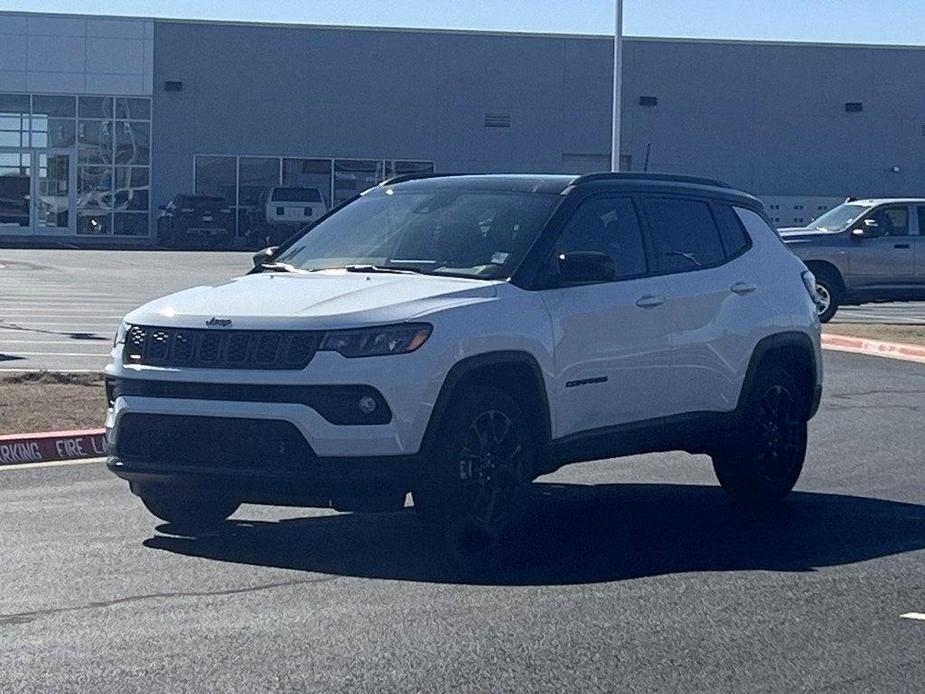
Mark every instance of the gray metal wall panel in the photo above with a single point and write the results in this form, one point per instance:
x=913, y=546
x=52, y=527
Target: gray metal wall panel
x=769, y=118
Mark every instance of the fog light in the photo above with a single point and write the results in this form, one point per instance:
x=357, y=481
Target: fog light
x=368, y=404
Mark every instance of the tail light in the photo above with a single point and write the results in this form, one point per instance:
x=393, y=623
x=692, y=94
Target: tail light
x=809, y=281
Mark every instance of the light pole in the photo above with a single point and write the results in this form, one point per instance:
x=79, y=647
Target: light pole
x=617, y=86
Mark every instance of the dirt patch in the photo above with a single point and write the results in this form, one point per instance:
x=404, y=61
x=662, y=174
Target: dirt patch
x=39, y=402
x=908, y=334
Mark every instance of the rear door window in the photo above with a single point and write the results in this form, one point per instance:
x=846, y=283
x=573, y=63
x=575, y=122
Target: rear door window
x=684, y=233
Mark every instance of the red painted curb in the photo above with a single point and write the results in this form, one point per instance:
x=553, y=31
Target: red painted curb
x=53, y=446
x=877, y=348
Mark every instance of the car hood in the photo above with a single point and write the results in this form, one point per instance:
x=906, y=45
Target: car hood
x=319, y=300
x=803, y=234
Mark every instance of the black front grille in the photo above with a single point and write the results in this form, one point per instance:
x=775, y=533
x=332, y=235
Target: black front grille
x=219, y=349
x=212, y=442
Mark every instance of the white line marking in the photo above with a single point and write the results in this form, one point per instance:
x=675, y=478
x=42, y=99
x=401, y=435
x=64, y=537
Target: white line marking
x=59, y=463
x=913, y=615
x=65, y=341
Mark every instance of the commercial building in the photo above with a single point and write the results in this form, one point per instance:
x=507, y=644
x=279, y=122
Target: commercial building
x=103, y=119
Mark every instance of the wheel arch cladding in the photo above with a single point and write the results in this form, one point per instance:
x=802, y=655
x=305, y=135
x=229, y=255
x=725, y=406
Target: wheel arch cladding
x=792, y=350
x=515, y=372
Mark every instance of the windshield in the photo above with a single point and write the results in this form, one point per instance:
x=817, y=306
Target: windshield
x=839, y=218
x=470, y=233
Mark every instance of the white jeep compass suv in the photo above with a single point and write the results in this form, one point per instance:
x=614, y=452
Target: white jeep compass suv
x=458, y=336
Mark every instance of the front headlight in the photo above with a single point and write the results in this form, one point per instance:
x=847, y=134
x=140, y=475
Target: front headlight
x=376, y=342
x=119, y=338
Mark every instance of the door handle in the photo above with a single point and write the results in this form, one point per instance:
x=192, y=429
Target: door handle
x=742, y=288
x=901, y=245
x=650, y=301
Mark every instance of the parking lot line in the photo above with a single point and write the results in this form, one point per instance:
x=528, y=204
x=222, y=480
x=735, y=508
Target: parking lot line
x=914, y=615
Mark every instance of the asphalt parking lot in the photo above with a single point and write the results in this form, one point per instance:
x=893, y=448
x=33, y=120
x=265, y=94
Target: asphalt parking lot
x=60, y=308
x=633, y=575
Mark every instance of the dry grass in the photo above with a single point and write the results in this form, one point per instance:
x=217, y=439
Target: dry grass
x=38, y=402
x=909, y=334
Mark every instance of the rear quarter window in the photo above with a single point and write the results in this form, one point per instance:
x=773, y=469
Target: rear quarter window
x=685, y=234
x=732, y=233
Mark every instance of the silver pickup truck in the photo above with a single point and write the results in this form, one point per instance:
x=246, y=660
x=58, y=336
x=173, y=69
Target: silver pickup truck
x=864, y=251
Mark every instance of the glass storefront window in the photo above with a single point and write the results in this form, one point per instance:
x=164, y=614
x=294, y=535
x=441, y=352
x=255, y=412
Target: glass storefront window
x=400, y=168
x=54, y=106
x=217, y=177
x=94, y=142
x=130, y=224
x=133, y=142
x=352, y=177
x=58, y=133
x=132, y=188
x=133, y=109
x=94, y=188
x=309, y=173
x=91, y=223
x=95, y=107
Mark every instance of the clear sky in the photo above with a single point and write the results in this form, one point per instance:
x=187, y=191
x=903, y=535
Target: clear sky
x=842, y=21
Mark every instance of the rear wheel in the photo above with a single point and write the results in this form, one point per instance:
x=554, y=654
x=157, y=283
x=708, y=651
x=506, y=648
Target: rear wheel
x=476, y=487
x=764, y=458
x=188, y=510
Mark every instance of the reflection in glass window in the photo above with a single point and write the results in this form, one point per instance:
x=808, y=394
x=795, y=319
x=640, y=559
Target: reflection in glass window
x=54, y=106
x=94, y=142
x=217, y=176
x=133, y=143
x=129, y=224
x=54, y=132
x=94, y=188
x=257, y=175
x=400, y=168
x=15, y=179
x=95, y=107
x=133, y=109
x=352, y=177
x=14, y=105
x=132, y=188
x=309, y=173
x=94, y=223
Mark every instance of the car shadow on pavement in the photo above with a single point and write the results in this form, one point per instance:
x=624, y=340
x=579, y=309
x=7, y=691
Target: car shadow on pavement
x=585, y=534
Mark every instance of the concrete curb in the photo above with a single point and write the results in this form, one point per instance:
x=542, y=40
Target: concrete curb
x=55, y=446
x=875, y=348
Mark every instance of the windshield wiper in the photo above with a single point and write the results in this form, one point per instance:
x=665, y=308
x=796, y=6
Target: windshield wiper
x=281, y=267
x=385, y=269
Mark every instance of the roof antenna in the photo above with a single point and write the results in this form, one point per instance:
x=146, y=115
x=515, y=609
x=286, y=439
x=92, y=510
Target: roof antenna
x=645, y=169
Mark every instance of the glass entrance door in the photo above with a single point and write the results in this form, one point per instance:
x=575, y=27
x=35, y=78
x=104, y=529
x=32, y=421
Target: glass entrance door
x=37, y=193
x=16, y=193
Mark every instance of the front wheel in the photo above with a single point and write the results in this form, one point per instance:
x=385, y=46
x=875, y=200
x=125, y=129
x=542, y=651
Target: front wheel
x=762, y=461
x=186, y=510
x=477, y=484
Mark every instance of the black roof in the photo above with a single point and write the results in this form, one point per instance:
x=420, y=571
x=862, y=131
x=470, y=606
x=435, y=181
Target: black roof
x=559, y=183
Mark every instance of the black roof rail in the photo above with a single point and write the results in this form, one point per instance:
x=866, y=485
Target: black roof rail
x=413, y=177
x=671, y=178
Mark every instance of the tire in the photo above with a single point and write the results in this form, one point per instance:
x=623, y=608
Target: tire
x=829, y=289
x=762, y=461
x=476, y=485
x=188, y=511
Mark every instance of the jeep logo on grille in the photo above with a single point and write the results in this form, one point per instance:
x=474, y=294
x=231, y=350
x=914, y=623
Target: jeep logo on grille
x=219, y=322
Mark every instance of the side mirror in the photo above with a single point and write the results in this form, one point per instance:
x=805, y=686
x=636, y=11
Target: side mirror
x=586, y=267
x=267, y=255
